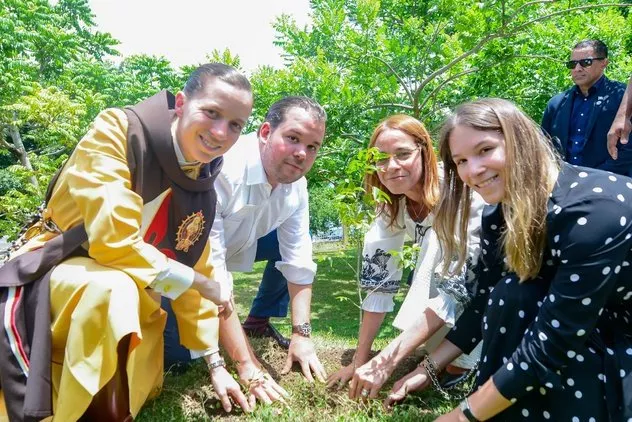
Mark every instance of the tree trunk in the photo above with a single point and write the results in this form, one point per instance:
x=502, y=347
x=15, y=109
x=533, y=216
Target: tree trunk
x=345, y=234
x=19, y=147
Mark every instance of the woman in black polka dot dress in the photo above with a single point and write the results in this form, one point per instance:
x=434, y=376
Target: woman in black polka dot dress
x=557, y=345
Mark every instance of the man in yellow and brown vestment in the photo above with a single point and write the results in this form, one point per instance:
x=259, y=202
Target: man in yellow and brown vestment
x=127, y=221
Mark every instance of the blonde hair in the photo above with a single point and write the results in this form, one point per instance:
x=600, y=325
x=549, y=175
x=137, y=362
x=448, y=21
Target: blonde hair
x=531, y=168
x=430, y=173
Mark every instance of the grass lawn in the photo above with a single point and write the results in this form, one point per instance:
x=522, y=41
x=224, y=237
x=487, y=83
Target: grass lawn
x=189, y=396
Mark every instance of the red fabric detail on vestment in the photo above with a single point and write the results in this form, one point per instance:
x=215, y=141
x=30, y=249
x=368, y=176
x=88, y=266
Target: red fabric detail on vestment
x=16, y=333
x=157, y=229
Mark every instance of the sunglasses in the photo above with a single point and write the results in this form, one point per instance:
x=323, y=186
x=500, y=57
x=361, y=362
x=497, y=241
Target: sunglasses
x=583, y=62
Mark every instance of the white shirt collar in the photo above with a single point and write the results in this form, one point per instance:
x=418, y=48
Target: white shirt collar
x=176, y=146
x=255, y=173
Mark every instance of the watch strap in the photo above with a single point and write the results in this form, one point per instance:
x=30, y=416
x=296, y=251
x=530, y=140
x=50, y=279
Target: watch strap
x=467, y=411
x=304, y=329
x=216, y=364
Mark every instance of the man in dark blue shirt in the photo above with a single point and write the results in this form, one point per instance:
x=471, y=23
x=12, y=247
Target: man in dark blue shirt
x=581, y=116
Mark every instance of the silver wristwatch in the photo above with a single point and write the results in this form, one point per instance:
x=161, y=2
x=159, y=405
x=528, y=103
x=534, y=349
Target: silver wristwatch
x=304, y=329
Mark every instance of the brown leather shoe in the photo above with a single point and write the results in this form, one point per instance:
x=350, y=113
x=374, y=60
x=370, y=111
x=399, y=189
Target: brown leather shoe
x=267, y=330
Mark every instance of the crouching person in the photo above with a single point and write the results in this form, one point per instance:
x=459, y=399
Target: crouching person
x=126, y=221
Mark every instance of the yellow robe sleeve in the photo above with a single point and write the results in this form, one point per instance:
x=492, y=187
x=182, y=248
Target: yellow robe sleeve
x=96, y=188
x=99, y=184
x=197, y=323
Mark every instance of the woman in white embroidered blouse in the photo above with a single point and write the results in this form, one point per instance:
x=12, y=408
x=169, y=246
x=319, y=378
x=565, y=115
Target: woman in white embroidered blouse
x=409, y=175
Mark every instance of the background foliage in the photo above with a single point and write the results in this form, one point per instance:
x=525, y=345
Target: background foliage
x=362, y=59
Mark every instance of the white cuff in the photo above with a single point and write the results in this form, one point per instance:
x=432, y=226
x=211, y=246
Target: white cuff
x=444, y=306
x=469, y=361
x=295, y=274
x=379, y=302
x=173, y=280
x=222, y=276
x=195, y=354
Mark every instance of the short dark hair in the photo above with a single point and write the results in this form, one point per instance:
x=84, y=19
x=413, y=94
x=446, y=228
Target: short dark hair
x=225, y=73
x=277, y=111
x=600, y=48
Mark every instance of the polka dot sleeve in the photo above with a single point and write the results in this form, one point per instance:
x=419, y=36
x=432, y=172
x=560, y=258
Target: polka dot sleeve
x=588, y=241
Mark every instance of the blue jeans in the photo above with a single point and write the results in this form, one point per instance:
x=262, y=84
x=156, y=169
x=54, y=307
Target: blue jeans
x=272, y=299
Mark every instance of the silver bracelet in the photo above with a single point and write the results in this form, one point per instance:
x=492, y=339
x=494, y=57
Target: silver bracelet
x=431, y=369
x=216, y=364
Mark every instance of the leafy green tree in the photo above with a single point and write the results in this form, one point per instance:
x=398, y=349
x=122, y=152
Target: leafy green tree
x=39, y=40
x=54, y=79
x=366, y=59
x=323, y=215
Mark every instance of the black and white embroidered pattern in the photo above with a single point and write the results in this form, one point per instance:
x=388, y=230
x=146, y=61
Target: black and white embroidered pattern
x=459, y=287
x=420, y=232
x=374, y=273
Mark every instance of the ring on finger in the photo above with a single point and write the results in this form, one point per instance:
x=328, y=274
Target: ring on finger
x=364, y=392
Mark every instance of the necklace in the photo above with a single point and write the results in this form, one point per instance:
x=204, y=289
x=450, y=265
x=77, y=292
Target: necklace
x=416, y=211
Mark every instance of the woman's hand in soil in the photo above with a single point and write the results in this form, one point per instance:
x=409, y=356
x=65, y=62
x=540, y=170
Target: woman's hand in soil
x=341, y=377
x=413, y=381
x=369, y=378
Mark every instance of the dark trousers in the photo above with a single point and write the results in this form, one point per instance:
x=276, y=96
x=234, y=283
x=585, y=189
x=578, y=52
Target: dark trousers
x=272, y=299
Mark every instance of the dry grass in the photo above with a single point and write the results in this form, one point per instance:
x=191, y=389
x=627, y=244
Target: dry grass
x=188, y=396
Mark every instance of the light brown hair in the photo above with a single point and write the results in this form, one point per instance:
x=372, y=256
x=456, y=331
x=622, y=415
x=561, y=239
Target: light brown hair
x=429, y=176
x=531, y=168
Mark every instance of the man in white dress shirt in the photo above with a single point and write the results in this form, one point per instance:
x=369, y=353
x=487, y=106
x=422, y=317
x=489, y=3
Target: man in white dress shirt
x=263, y=214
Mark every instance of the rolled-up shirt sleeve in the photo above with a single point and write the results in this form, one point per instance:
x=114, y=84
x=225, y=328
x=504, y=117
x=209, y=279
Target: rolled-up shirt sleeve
x=174, y=280
x=216, y=236
x=295, y=245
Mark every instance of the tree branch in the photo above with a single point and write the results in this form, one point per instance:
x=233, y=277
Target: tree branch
x=508, y=34
x=442, y=84
x=4, y=143
x=399, y=78
x=476, y=69
x=531, y=3
x=463, y=56
x=387, y=105
x=353, y=137
x=435, y=35
x=519, y=28
x=535, y=56
x=8, y=146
